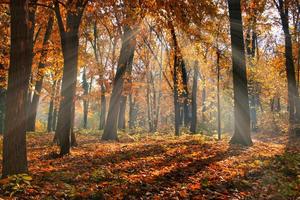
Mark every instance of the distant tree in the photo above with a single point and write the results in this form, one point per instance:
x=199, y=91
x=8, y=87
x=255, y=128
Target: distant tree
x=32, y=112
x=193, y=128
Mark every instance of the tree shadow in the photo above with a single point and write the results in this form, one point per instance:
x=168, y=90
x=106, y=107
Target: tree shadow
x=178, y=175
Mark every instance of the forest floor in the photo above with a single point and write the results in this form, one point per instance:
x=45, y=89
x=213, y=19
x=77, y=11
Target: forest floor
x=159, y=167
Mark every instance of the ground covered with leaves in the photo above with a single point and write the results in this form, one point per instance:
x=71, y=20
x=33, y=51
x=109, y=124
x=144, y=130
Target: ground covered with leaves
x=158, y=166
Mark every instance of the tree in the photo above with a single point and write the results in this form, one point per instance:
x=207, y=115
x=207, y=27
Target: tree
x=193, y=128
x=32, y=112
x=241, y=101
x=14, y=140
x=85, y=87
x=125, y=62
x=70, y=43
x=293, y=94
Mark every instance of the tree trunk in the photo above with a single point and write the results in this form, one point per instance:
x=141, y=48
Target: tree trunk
x=56, y=99
x=132, y=112
x=149, y=110
x=14, y=138
x=85, y=87
x=293, y=94
x=203, y=110
x=103, y=108
x=102, y=85
x=218, y=95
x=193, y=128
x=73, y=136
x=2, y=97
x=176, y=72
x=125, y=60
x=241, y=101
x=38, y=86
x=51, y=108
x=32, y=40
x=122, y=112
x=70, y=44
x=185, y=94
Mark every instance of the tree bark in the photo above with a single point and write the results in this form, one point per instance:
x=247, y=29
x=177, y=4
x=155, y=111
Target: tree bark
x=176, y=72
x=241, y=101
x=103, y=108
x=293, y=94
x=14, y=138
x=51, y=108
x=122, y=112
x=85, y=87
x=70, y=44
x=218, y=95
x=132, y=112
x=125, y=60
x=193, y=128
x=3, y=80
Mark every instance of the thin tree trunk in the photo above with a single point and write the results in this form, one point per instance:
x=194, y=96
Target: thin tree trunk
x=103, y=108
x=85, y=86
x=132, y=112
x=149, y=110
x=193, y=128
x=102, y=85
x=218, y=95
x=51, y=108
x=38, y=86
x=14, y=138
x=241, y=101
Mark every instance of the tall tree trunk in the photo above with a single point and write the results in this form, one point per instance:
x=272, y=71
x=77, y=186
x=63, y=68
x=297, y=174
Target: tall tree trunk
x=185, y=94
x=50, y=116
x=103, y=108
x=241, y=101
x=56, y=102
x=102, y=85
x=251, y=40
x=70, y=44
x=193, y=128
x=38, y=86
x=85, y=87
x=125, y=60
x=218, y=95
x=51, y=107
x=176, y=72
x=32, y=40
x=149, y=108
x=14, y=138
x=293, y=94
x=203, y=110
